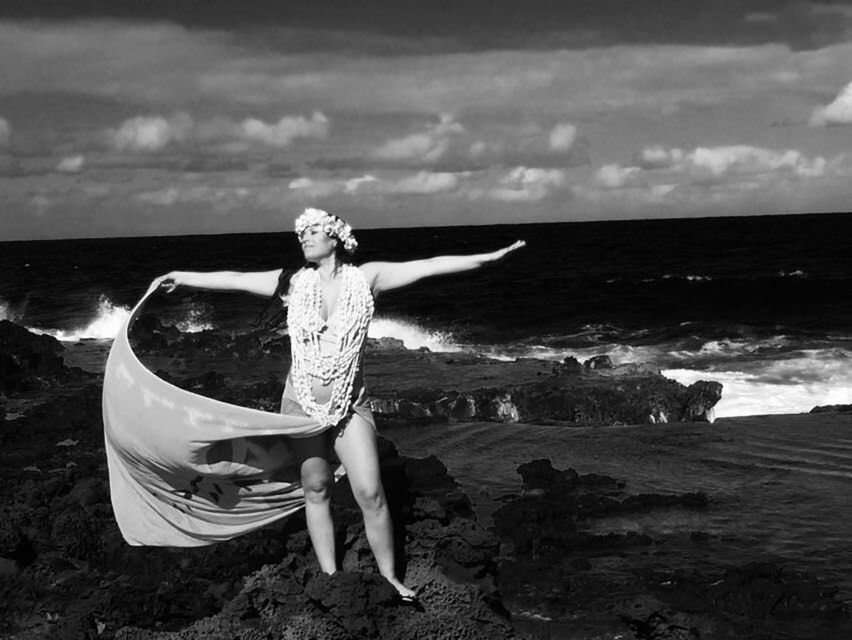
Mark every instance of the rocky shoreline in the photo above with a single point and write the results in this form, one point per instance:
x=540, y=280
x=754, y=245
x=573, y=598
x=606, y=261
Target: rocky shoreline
x=540, y=572
x=421, y=386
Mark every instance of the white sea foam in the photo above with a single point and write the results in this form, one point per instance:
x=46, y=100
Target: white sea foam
x=753, y=384
x=195, y=319
x=104, y=325
x=731, y=348
x=792, y=385
x=412, y=335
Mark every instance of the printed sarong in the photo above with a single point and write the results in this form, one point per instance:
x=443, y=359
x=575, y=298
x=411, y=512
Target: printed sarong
x=187, y=470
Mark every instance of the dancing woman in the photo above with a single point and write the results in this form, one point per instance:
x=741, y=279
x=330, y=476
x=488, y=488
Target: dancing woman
x=330, y=304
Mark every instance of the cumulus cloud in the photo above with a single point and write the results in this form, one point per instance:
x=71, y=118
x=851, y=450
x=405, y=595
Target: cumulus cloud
x=283, y=132
x=614, y=176
x=71, y=164
x=656, y=157
x=353, y=184
x=155, y=133
x=562, y=137
x=839, y=111
x=717, y=162
x=5, y=132
x=151, y=133
x=421, y=183
x=428, y=146
x=528, y=183
x=747, y=159
x=425, y=183
x=221, y=198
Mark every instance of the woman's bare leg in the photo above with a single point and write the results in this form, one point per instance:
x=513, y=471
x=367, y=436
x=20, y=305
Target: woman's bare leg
x=356, y=448
x=316, y=482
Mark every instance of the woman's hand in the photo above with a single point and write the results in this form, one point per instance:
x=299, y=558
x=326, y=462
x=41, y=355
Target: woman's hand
x=169, y=282
x=502, y=253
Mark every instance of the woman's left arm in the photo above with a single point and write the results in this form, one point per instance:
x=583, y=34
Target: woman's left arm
x=384, y=276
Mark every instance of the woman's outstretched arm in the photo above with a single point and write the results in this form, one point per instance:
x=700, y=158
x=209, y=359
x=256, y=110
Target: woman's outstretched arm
x=384, y=276
x=262, y=283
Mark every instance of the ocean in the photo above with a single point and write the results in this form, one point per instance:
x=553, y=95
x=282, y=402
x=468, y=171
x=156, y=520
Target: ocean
x=760, y=304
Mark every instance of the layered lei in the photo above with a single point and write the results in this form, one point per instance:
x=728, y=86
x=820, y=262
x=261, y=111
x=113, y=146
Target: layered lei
x=351, y=318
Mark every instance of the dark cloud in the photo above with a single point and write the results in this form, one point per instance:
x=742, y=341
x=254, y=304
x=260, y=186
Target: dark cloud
x=487, y=23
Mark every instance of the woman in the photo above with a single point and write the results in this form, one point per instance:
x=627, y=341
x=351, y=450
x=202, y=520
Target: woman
x=330, y=307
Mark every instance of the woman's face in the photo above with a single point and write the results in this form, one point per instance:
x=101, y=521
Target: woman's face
x=316, y=244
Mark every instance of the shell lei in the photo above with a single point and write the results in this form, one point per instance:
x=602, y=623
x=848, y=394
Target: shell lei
x=351, y=317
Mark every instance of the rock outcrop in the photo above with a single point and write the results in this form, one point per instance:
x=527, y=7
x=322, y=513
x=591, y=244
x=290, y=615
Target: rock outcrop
x=29, y=361
x=833, y=408
x=463, y=387
x=67, y=573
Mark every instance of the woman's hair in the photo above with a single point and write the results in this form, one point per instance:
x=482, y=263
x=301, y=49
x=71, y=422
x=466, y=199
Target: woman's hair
x=274, y=314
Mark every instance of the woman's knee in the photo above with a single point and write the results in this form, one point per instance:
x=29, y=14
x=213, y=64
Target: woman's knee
x=316, y=482
x=369, y=498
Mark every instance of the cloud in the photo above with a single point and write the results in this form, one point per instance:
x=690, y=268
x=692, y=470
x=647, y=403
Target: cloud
x=71, y=164
x=428, y=146
x=562, y=137
x=614, y=176
x=151, y=133
x=424, y=183
x=221, y=198
x=528, y=183
x=421, y=183
x=717, y=162
x=283, y=132
x=310, y=189
x=5, y=132
x=657, y=157
x=353, y=184
x=836, y=112
x=155, y=133
x=747, y=159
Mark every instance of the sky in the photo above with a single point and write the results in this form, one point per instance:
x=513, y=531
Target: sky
x=205, y=116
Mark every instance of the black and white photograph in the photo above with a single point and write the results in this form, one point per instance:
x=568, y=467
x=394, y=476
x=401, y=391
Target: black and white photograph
x=444, y=319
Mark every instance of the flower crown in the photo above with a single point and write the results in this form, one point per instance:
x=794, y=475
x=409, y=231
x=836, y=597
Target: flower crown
x=332, y=225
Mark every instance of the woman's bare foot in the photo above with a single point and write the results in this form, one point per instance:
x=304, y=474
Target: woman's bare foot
x=404, y=592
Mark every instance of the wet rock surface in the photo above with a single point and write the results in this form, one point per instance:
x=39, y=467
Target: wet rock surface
x=561, y=570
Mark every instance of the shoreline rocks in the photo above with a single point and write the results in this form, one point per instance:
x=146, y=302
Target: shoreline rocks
x=467, y=387
x=69, y=574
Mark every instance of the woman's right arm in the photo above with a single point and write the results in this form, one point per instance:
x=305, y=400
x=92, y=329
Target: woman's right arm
x=262, y=283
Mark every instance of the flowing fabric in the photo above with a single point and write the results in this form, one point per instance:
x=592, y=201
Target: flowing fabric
x=187, y=470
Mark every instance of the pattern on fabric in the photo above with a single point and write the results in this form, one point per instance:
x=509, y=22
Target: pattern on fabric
x=187, y=470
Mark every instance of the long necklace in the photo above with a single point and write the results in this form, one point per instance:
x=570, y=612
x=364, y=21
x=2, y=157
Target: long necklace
x=351, y=318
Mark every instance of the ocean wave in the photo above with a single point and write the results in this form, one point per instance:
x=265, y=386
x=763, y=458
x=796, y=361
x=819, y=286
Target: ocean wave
x=413, y=336
x=5, y=312
x=794, y=385
x=105, y=325
x=772, y=375
x=194, y=317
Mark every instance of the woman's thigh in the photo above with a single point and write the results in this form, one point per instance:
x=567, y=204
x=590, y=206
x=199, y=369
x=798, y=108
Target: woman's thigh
x=355, y=446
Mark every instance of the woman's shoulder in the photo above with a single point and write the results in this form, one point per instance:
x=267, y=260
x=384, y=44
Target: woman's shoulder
x=370, y=272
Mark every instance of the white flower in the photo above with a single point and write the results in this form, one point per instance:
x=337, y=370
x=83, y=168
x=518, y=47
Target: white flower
x=332, y=225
